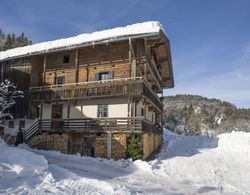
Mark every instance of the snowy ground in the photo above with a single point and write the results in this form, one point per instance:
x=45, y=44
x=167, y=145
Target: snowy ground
x=185, y=165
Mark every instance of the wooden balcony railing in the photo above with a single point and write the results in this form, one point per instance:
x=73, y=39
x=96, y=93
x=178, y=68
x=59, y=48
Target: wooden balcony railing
x=97, y=89
x=97, y=125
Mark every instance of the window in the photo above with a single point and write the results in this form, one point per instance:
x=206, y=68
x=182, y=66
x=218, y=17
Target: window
x=21, y=124
x=59, y=80
x=11, y=124
x=104, y=76
x=102, y=110
x=66, y=59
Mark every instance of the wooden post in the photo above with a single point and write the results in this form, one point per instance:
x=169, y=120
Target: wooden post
x=145, y=71
x=44, y=68
x=77, y=66
x=87, y=73
x=41, y=110
x=68, y=115
x=133, y=74
x=109, y=144
x=132, y=58
x=129, y=108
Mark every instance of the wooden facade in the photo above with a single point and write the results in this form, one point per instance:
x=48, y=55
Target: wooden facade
x=133, y=69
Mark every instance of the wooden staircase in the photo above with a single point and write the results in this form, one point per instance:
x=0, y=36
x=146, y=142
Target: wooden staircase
x=32, y=130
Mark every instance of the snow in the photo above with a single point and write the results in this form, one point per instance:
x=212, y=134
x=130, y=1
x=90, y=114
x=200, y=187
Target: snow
x=185, y=165
x=104, y=35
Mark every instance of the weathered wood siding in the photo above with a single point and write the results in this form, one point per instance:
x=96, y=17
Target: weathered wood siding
x=91, y=60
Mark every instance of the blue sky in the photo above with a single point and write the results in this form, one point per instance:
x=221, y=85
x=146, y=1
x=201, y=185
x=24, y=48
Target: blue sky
x=210, y=40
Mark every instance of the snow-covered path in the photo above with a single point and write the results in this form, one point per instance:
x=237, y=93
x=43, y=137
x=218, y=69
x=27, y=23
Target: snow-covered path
x=185, y=165
x=122, y=175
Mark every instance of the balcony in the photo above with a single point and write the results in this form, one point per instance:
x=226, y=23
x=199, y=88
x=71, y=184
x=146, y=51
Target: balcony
x=133, y=87
x=92, y=125
x=97, y=125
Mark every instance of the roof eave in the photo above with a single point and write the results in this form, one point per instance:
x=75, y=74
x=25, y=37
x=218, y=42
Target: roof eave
x=86, y=44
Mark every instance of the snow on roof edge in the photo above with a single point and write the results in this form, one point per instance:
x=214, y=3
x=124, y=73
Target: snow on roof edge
x=115, y=33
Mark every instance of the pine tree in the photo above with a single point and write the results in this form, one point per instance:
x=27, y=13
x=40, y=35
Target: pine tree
x=8, y=43
x=12, y=41
x=134, y=149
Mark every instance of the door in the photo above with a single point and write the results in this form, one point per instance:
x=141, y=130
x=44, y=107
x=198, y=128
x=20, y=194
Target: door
x=56, y=115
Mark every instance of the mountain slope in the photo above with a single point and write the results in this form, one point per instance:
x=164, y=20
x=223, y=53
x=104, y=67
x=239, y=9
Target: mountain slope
x=195, y=115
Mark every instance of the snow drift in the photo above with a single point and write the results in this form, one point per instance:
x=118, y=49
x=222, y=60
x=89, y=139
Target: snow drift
x=186, y=164
x=19, y=165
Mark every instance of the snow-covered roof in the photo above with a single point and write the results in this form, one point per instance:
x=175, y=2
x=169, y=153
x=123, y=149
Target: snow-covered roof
x=152, y=27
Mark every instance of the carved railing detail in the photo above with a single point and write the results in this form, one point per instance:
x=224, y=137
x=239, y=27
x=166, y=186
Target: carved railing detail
x=97, y=89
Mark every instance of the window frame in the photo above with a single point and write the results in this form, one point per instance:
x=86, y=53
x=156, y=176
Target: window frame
x=109, y=75
x=11, y=124
x=60, y=77
x=102, y=110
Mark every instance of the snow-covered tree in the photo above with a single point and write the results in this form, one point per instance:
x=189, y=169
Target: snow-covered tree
x=8, y=94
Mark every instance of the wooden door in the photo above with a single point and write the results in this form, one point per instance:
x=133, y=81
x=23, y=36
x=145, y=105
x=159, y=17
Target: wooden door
x=57, y=113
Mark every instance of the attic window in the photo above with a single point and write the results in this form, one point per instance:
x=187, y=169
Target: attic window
x=66, y=59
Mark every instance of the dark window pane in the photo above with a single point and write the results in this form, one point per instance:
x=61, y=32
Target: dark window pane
x=60, y=80
x=66, y=59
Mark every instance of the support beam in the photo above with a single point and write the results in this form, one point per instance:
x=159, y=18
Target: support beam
x=131, y=48
x=129, y=108
x=109, y=145
x=41, y=110
x=132, y=58
x=68, y=113
x=44, y=68
x=77, y=65
x=133, y=69
x=145, y=71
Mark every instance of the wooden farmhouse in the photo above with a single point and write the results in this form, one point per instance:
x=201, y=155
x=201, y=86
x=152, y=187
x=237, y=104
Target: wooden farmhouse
x=91, y=93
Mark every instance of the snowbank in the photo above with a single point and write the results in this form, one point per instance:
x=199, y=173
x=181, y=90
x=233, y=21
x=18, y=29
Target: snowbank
x=18, y=165
x=185, y=165
x=104, y=35
x=200, y=161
